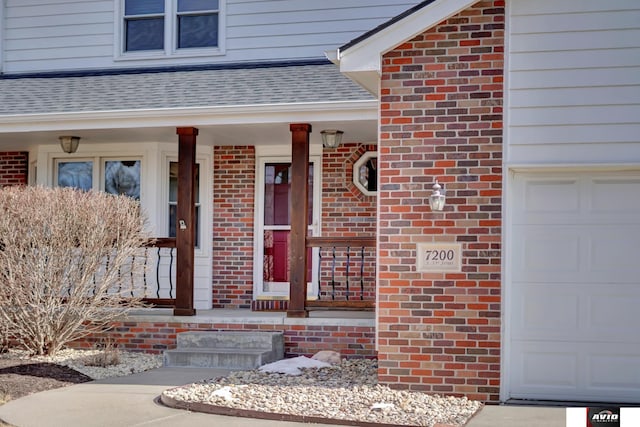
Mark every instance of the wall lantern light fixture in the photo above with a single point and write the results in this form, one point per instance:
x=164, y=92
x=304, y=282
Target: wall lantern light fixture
x=331, y=138
x=437, y=198
x=69, y=144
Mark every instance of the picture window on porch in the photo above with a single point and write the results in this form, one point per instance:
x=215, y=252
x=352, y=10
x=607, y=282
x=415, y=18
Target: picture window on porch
x=173, y=200
x=119, y=176
x=149, y=25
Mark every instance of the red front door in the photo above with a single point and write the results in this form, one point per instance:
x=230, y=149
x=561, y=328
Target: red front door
x=277, y=225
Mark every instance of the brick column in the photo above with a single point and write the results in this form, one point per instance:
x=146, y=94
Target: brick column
x=441, y=118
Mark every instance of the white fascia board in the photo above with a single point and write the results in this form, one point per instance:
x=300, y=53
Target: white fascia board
x=201, y=116
x=365, y=57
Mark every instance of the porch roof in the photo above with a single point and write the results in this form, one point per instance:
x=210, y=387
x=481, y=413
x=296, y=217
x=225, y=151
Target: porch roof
x=266, y=84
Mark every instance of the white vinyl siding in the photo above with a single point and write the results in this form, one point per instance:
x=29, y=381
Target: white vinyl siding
x=574, y=81
x=56, y=34
x=49, y=35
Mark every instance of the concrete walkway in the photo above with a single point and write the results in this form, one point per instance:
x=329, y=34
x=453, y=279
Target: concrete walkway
x=130, y=401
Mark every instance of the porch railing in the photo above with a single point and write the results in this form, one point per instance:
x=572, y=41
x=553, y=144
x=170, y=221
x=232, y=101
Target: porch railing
x=149, y=274
x=159, y=277
x=347, y=272
x=154, y=280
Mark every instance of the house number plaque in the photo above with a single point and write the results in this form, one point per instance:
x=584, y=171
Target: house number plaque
x=439, y=257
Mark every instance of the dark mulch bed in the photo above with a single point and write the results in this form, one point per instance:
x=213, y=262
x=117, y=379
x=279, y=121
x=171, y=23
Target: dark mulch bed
x=19, y=378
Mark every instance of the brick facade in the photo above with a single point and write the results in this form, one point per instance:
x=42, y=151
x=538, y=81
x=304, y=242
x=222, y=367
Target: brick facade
x=234, y=171
x=300, y=340
x=346, y=211
x=14, y=167
x=441, y=118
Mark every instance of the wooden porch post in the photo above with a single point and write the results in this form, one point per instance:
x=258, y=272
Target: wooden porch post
x=186, y=221
x=299, y=216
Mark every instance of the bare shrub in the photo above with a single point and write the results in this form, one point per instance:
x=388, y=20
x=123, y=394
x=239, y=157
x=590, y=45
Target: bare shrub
x=109, y=354
x=63, y=256
x=4, y=337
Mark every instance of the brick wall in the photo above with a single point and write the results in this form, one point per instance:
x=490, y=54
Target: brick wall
x=300, y=340
x=346, y=211
x=441, y=118
x=14, y=167
x=233, y=211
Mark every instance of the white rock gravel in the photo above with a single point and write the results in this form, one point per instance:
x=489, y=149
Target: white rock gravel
x=348, y=391
x=130, y=363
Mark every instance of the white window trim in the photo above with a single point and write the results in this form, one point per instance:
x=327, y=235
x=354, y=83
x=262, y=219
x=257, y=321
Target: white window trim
x=98, y=168
x=282, y=154
x=170, y=51
x=204, y=194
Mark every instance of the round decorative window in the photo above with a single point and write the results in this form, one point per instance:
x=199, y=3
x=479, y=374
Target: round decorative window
x=365, y=173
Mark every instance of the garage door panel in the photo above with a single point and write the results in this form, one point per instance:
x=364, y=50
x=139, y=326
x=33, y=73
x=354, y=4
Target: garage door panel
x=538, y=368
x=610, y=316
x=558, y=312
x=541, y=253
x=574, y=286
x=538, y=199
x=615, y=251
x=551, y=196
x=615, y=195
x=575, y=372
x=580, y=253
x=611, y=372
x=544, y=307
x=585, y=199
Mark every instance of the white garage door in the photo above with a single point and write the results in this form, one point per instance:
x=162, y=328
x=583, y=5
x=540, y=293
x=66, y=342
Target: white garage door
x=574, y=305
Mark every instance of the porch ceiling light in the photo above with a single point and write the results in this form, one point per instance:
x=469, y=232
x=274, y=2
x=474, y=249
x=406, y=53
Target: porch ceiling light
x=437, y=197
x=331, y=138
x=69, y=144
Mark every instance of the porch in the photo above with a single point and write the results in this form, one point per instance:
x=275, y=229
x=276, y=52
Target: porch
x=340, y=249
x=337, y=272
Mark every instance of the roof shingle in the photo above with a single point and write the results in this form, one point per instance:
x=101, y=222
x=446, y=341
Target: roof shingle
x=178, y=89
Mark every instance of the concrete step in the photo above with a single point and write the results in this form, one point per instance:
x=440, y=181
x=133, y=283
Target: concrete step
x=231, y=339
x=225, y=349
x=217, y=358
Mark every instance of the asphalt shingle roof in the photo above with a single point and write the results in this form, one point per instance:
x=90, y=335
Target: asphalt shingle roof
x=178, y=89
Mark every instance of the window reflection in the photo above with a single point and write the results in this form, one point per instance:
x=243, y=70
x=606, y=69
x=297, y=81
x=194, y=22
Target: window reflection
x=122, y=177
x=76, y=174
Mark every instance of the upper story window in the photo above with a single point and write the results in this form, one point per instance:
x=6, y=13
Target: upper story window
x=143, y=25
x=170, y=26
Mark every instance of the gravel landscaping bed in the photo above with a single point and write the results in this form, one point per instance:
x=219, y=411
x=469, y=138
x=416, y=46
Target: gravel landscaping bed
x=21, y=375
x=83, y=360
x=347, y=391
